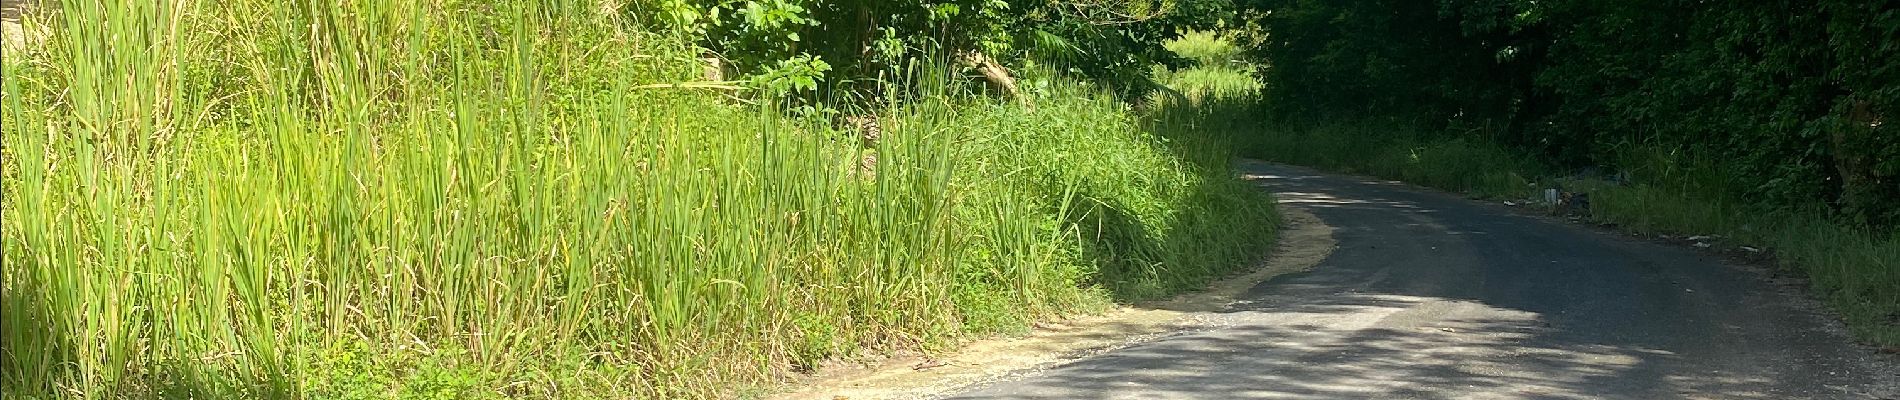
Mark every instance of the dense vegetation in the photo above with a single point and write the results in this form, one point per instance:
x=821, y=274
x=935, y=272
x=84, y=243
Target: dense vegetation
x=472, y=199
x=694, y=198
x=1783, y=100
x=859, y=41
x=1762, y=121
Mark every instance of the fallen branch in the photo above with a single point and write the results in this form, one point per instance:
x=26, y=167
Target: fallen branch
x=994, y=73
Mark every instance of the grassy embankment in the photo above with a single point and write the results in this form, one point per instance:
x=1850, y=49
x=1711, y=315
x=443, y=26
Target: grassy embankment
x=343, y=200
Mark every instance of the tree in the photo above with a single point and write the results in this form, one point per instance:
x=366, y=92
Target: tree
x=1784, y=100
x=864, y=40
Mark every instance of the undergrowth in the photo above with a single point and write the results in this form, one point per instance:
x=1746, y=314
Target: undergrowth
x=1216, y=70
x=361, y=200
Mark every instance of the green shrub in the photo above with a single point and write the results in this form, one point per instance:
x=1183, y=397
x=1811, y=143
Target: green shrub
x=1207, y=48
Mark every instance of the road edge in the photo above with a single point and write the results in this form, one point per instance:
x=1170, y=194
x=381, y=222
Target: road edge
x=1304, y=241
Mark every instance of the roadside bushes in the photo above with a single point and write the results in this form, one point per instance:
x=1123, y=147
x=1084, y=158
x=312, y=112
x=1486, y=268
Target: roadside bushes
x=1790, y=95
x=1764, y=121
x=857, y=42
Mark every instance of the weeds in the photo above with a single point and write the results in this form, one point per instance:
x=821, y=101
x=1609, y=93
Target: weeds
x=1218, y=72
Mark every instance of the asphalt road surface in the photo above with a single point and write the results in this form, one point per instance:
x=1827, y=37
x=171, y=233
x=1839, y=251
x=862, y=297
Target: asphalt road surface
x=1431, y=296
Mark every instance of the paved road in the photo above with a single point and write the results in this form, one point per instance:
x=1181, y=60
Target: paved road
x=1430, y=296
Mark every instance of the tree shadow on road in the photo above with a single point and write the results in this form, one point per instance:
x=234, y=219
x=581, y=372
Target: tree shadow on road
x=1371, y=321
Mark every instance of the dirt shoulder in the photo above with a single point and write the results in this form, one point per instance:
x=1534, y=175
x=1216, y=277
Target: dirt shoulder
x=1304, y=241
x=14, y=36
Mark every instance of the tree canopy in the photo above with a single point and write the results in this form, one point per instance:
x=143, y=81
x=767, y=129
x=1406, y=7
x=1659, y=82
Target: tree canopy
x=1784, y=100
x=859, y=39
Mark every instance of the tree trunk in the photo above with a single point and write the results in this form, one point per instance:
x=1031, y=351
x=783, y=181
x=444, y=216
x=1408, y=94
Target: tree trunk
x=1865, y=191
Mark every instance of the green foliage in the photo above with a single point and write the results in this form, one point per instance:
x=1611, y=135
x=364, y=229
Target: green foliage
x=864, y=40
x=348, y=199
x=348, y=370
x=1201, y=83
x=1791, y=94
x=794, y=74
x=1756, y=119
x=1205, y=48
x=1349, y=59
x=1218, y=72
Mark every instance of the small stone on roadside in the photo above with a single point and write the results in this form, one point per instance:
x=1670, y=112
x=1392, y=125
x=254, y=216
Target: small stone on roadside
x=1751, y=249
x=1702, y=245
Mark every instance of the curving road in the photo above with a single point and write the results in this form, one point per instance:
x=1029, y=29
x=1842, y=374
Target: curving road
x=1430, y=296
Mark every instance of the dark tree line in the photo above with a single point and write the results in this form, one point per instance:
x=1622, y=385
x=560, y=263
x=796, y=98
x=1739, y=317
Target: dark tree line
x=1785, y=100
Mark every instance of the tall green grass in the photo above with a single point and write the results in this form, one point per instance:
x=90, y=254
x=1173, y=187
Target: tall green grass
x=365, y=199
x=1217, y=72
x=1208, y=49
